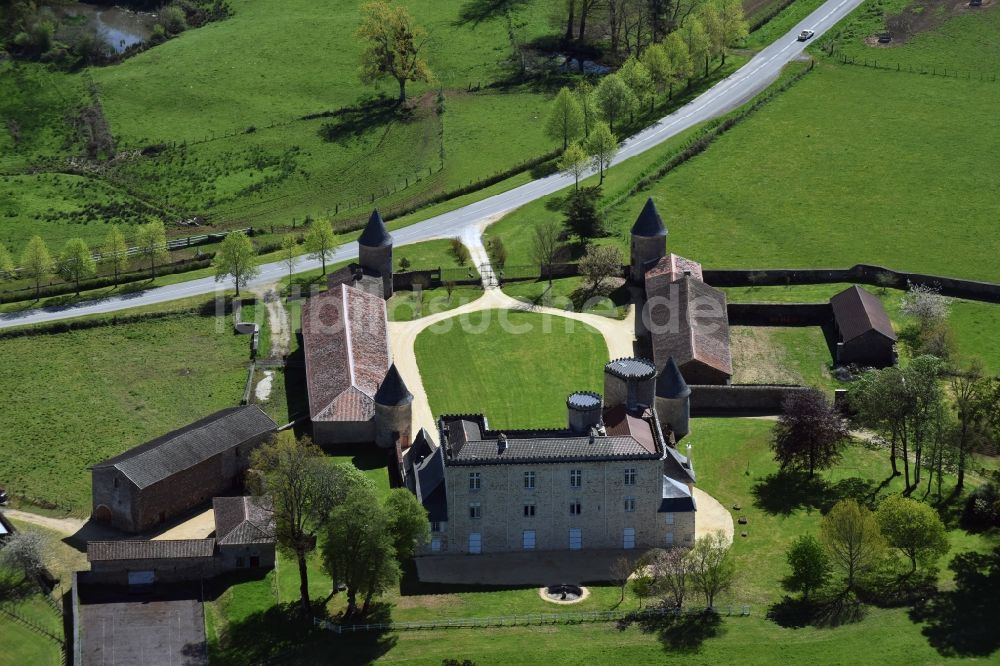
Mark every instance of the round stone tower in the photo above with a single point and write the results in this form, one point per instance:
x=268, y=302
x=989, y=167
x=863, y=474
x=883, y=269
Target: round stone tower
x=375, y=250
x=393, y=411
x=673, y=400
x=630, y=382
x=649, y=241
x=585, y=411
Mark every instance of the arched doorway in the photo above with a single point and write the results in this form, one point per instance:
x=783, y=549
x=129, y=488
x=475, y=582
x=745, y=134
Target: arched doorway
x=102, y=514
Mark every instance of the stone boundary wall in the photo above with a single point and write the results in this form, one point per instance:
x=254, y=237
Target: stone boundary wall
x=860, y=273
x=779, y=314
x=740, y=399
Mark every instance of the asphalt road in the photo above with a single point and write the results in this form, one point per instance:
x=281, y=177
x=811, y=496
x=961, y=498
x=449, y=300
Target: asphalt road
x=467, y=221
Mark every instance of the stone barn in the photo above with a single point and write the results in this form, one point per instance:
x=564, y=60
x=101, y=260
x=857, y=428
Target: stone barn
x=864, y=333
x=139, y=563
x=244, y=533
x=148, y=484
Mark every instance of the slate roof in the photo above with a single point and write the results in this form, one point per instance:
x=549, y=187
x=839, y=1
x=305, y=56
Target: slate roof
x=346, y=346
x=700, y=331
x=375, y=233
x=649, y=223
x=430, y=485
x=631, y=368
x=670, y=384
x=155, y=549
x=393, y=392
x=858, y=311
x=181, y=449
x=676, y=497
x=242, y=521
x=549, y=449
x=584, y=401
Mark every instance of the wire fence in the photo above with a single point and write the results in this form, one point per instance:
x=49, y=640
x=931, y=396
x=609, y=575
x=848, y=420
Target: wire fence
x=533, y=619
x=986, y=77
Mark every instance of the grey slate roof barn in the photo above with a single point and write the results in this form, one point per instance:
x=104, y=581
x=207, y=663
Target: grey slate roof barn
x=179, y=470
x=864, y=332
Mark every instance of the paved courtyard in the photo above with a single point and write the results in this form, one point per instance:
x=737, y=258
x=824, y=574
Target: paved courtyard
x=122, y=629
x=536, y=567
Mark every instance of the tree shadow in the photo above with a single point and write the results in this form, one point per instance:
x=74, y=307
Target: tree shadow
x=354, y=121
x=783, y=493
x=963, y=622
x=792, y=613
x=680, y=632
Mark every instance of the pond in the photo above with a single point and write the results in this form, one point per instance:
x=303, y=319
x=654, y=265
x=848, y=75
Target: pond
x=117, y=27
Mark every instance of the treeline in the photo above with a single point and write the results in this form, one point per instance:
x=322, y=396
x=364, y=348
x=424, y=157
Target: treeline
x=31, y=31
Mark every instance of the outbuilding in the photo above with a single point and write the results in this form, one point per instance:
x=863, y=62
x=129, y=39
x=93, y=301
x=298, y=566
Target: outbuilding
x=864, y=333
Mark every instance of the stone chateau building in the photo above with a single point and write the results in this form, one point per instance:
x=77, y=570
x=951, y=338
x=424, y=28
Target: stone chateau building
x=613, y=479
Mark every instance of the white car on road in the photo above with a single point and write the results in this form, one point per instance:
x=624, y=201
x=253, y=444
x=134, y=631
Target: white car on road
x=806, y=34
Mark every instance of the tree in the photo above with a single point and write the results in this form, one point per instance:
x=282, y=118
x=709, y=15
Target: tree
x=407, y=522
x=24, y=552
x=696, y=40
x=600, y=263
x=680, y=59
x=289, y=253
x=671, y=573
x=975, y=402
x=235, y=259
x=621, y=568
x=582, y=218
x=657, y=62
x=358, y=550
x=711, y=568
x=75, y=262
x=303, y=489
x=852, y=538
x=565, y=121
x=321, y=241
x=585, y=97
x=574, y=163
x=497, y=252
x=810, y=566
x=913, y=528
x=636, y=76
x=6, y=263
x=725, y=24
x=36, y=262
x=545, y=245
x=614, y=99
x=602, y=146
x=925, y=304
x=810, y=432
x=391, y=46
x=404, y=264
x=114, y=252
x=151, y=243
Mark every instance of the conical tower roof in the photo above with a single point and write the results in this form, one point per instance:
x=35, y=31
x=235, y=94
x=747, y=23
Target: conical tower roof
x=393, y=392
x=649, y=223
x=670, y=384
x=422, y=446
x=375, y=233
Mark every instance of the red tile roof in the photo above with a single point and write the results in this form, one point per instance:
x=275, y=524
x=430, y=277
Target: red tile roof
x=346, y=352
x=672, y=268
x=857, y=311
x=697, y=331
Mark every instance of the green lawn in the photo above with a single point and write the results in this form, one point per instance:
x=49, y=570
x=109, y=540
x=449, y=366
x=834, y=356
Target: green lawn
x=781, y=355
x=570, y=294
x=516, y=367
x=850, y=165
x=404, y=305
x=960, y=38
x=73, y=399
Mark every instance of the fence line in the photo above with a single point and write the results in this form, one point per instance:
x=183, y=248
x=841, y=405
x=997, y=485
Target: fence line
x=17, y=617
x=533, y=619
x=985, y=77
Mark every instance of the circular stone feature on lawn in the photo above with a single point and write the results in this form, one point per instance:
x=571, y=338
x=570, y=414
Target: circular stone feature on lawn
x=515, y=367
x=563, y=593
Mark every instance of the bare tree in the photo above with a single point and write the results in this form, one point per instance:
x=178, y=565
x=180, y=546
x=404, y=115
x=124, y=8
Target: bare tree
x=621, y=569
x=545, y=245
x=711, y=568
x=600, y=263
x=672, y=575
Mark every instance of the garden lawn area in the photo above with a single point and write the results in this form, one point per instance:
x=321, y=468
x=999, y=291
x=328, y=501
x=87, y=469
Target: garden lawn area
x=74, y=399
x=404, y=305
x=850, y=165
x=781, y=355
x=976, y=324
x=570, y=294
x=950, y=36
x=429, y=255
x=516, y=367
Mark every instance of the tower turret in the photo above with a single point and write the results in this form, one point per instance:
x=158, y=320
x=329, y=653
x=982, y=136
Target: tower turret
x=393, y=411
x=585, y=411
x=673, y=399
x=630, y=382
x=649, y=241
x=375, y=250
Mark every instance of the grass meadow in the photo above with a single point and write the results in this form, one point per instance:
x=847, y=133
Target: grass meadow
x=515, y=367
x=73, y=399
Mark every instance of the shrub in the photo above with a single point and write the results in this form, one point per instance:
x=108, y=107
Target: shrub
x=173, y=19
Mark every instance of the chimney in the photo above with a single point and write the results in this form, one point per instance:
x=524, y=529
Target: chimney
x=501, y=443
x=689, y=455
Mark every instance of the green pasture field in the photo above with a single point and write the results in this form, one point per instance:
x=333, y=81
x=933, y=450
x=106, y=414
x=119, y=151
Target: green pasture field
x=519, y=376
x=951, y=37
x=73, y=399
x=850, y=165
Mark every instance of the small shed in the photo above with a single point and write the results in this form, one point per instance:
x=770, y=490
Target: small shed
x=244, y=532
x=864, y=332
